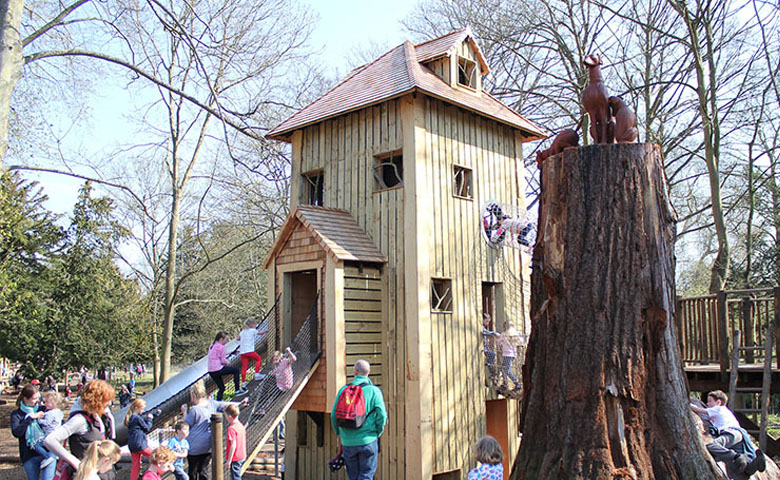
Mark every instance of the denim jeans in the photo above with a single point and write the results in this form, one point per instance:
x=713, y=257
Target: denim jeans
x=235, y=470
x=179, y=473
x=361, y=460
x=32, y=468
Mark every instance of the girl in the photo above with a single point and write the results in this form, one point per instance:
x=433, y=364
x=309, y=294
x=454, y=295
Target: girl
x=248, y=338
x=488, y=453
x=219, y=366
x=99, y=458
x=283, y=369
x=138, y=425
x=507, y=341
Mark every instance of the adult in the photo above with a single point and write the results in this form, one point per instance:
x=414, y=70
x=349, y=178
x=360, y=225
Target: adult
x=92, y=422
x=360, y=446
x=198, y=417
x=23, y=426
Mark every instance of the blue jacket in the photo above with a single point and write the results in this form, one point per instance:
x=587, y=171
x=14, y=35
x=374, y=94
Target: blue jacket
x=137, y=428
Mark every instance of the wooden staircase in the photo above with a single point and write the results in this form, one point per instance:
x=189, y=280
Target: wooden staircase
x=766, y=443
x=269, y=460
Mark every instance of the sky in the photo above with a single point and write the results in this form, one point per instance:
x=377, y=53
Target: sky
x=343, y=26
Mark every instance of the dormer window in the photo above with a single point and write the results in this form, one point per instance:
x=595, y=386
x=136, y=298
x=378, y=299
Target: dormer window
x=467, y=73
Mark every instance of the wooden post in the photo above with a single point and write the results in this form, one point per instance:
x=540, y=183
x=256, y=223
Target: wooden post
x=734, y=370
x=217, y=448
x=606, y=394
x=678, y=318
x=747, y=318
x=766, y=385
x=776, y=295
x=723, y=331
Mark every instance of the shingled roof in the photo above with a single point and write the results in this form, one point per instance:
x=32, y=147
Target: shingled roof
x=397, y=73
x=334, y=230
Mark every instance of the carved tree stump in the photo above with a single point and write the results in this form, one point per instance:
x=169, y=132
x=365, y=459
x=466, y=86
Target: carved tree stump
x=606, y=393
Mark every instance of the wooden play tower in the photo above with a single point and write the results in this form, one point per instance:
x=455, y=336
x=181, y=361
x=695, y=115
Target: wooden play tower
x=390, y=171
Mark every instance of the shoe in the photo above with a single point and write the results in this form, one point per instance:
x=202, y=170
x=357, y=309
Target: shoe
x=259, y=376
x=242, y=391
x=758, y=464
x=741, y=462
x=243, y=385
x=49, y=460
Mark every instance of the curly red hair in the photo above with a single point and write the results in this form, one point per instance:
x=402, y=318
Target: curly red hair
x=96, y=396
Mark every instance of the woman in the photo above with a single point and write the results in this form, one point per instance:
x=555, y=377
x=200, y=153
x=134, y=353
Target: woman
x=93, y=422
x=199, y=419
x=23, y=426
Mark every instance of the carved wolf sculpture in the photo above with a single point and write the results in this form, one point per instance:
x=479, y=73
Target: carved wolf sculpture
x=625, y=121
x=567, y=138
x=596, y=103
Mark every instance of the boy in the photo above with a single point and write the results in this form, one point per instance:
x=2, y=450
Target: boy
x=730, y=442
x=160, y=462
x=236, y=442
x=179, y=445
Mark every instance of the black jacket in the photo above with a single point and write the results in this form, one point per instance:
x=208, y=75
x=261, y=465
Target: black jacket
x=19, y=423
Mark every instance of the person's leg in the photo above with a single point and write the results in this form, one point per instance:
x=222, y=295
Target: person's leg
x=236, y=380
x=203, y=474
x=32, y=468
x=368, y=461
x=135, y=465
x=351, y=461
x=47, y=472
x=235, y=470
x=179, y=473
x=244, y=365
x=507, y=364
x=217, y=377
x=720, y=449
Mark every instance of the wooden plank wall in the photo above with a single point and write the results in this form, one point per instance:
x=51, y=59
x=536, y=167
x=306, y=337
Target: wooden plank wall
x=441, y=67
x=344, y=148
x=460, y=254
x=363, y=291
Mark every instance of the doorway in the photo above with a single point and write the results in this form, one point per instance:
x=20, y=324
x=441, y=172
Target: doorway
x=300, y=294
x=496, y=416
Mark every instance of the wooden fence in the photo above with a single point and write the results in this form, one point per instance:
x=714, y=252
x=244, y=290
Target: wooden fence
x=706, y=324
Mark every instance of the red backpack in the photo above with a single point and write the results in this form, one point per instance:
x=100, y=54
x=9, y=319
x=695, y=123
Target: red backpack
x=351, y=407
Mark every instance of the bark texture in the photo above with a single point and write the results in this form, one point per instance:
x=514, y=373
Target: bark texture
x=10, y=63
x=606, y=394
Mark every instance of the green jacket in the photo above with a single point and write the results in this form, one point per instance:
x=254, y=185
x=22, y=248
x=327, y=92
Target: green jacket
x=375, y=420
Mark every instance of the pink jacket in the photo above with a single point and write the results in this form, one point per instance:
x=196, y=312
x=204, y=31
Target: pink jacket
x=217, y=357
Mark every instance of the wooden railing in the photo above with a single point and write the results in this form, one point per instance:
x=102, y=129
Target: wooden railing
x=706, y=324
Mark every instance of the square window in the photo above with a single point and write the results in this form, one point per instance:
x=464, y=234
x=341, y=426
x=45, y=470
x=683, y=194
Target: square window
x=467, y=73
x=313, y=188
x=462, y=185
x=441, y=294
x=389, y=170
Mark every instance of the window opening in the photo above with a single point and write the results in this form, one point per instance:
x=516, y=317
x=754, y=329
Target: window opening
x=314, y=188
x=467, y=73
x=462, y=176
x=389, y=170
x=441, y=294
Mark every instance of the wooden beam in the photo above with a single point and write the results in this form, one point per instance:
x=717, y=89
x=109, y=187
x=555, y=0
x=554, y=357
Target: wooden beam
x=417, y=238
x=335, y=343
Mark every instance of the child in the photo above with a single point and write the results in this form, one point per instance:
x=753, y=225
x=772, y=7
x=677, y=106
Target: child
x=180, y=446
x=131, y=384
x=236, y=442
x=124, y=396
x=487, y=344
x=138, y=426
x=508, y=343
x=488, y=453
x=98, y=459
x=248, y=337
x=219, y=366
x=160, y=462
x=50, y=421
x=283, y=369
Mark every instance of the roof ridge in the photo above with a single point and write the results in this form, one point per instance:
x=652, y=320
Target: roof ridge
x=454, y=32
x=412, y=66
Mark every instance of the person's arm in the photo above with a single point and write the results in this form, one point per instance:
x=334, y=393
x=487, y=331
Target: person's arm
x=292, y=355
x=53, y=441
x=699, y=410
x=231, y=444
x=20, y=422
x=146, y=422
x=380, y=417
x=223, y=356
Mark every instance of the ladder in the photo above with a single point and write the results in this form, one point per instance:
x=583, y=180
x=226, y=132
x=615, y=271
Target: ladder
x=766, y=382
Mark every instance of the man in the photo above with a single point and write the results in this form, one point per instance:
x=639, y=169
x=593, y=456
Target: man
x=730, y=442
x=361, y=445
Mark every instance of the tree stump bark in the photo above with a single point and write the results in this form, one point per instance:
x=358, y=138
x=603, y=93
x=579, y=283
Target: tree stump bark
x=606, y=392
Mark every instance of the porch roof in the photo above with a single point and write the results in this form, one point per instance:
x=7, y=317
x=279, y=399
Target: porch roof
x=334, y=230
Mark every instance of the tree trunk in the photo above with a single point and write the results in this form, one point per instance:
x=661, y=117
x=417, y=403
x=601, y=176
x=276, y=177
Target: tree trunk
x=606, y=393
x=10, y=63
x=170, y=286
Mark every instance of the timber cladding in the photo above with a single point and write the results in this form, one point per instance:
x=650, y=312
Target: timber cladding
x=363, y=292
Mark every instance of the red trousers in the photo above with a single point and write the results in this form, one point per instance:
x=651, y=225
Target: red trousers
x=135, y=464
x=245, y=363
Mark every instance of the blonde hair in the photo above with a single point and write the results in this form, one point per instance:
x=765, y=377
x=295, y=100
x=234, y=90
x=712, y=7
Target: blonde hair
x=250, y=321
x=51, y=394
x=277, y=356
x=198, y=391
x=96, y=451
x=162, y=455
x=96, y=396
x=137, y=406
x=487, y=450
